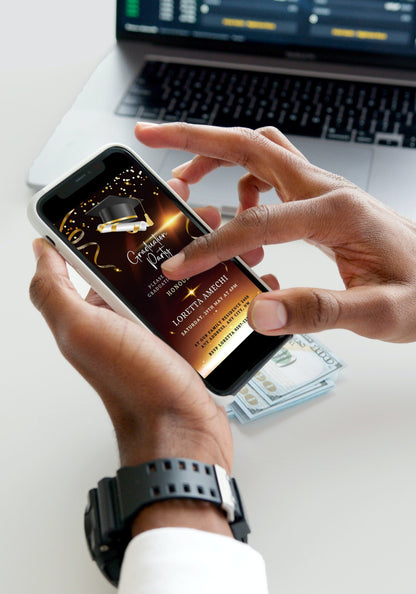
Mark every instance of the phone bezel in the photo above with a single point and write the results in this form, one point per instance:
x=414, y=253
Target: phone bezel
x=238, y=367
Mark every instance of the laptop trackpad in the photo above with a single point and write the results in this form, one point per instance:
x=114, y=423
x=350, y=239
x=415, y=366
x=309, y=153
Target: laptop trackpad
x=220, y=187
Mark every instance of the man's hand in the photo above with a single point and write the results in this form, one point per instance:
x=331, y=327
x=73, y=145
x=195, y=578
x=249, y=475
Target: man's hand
x=373, y=246
x=156, y=401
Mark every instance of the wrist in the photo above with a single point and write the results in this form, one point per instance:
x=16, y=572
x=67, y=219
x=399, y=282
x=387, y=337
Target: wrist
x=169, y=437
x=160, y=493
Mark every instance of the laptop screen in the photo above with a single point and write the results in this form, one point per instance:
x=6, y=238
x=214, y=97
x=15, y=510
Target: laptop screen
x=336, y=29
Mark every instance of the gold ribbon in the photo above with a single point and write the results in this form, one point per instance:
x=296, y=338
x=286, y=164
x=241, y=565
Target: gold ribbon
x=97, y=251
x=85, y=245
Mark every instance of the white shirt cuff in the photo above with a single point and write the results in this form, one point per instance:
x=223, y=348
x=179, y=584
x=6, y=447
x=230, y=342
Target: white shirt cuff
x=188, y=561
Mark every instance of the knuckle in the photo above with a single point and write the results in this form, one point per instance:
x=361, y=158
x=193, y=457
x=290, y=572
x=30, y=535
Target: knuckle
x=67, y=328
x=347, y=199
x=247, y=138
x=202, y=245
x=350, y=199
x=183, y=134
x=322, y=310
x=246, y=181
x=255, y=217
x=360, y=216
x=39, y=291
x=339, y=180
x=256, y=221
x=388, y=317
x=75, y=331
x=345, y=208
x=246, y=133
x=268, y=131
x=70, y=336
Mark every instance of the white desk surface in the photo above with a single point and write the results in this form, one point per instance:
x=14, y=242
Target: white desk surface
x=330, y=486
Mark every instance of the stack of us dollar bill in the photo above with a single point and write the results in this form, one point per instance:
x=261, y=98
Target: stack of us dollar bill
x=303, y=369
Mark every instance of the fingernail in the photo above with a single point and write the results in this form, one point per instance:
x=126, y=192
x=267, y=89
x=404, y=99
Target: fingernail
x=268, y=315
x=37, y=246
x=173, y=263
x=146, y=124
x=178, y=171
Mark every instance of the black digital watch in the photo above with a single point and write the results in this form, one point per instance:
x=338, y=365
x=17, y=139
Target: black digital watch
x=115, y=502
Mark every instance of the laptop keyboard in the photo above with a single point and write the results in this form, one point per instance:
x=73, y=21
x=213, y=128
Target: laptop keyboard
x=367, y=113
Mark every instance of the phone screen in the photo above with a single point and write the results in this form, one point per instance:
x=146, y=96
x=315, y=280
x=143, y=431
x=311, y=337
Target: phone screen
x=124, y=224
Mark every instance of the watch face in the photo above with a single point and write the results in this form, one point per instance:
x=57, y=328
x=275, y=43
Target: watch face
x=106, y=544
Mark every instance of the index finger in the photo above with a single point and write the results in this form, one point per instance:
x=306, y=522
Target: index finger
x=268, y=159
x=252, y=228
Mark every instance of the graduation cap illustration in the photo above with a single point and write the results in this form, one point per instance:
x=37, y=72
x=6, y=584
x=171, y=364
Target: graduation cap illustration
x=117, y=213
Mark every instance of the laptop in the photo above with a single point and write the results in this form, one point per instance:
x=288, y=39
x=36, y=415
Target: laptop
x=337, y=76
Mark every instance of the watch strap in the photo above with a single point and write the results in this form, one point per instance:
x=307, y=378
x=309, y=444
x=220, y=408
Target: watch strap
x=173, y=478
x=114, y=504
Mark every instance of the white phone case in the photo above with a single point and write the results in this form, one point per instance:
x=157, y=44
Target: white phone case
x=77, y=263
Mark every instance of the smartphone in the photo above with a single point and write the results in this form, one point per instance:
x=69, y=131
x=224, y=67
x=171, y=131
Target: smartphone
x=115, y=221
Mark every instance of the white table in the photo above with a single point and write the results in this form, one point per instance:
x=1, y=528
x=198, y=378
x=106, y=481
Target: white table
x=329, y=486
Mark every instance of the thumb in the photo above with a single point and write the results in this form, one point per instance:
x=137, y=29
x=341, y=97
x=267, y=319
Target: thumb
x=51, y=290
x=367, y=310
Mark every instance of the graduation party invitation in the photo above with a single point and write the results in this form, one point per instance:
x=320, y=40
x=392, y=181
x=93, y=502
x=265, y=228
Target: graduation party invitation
x=126, y=228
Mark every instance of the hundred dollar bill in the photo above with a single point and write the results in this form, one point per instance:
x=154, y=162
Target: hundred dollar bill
x=248, y=406
x=301, y=362
x=253, y=404
x=303, y=369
